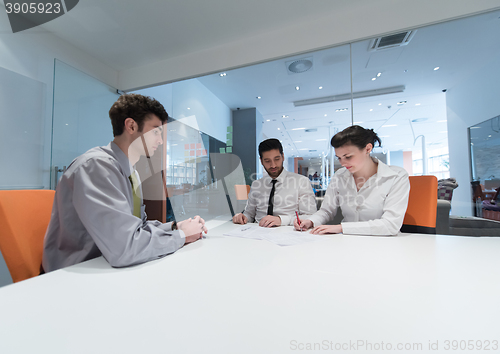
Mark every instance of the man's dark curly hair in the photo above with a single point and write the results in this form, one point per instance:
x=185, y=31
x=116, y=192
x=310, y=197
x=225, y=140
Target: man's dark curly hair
x=137, y=107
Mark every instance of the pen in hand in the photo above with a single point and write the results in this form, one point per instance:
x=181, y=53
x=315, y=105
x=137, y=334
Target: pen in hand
x=298, y=221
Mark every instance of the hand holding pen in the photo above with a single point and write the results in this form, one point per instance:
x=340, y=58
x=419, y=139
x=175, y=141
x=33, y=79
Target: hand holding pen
x=302, y=225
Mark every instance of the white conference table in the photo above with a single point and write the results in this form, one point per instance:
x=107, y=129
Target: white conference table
x=230, y=295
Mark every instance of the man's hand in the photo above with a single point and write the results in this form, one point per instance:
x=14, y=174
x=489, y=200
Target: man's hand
x=304, y=224
x=240, y=219
x=270, y=221
x=327, y=229
x=192, y=228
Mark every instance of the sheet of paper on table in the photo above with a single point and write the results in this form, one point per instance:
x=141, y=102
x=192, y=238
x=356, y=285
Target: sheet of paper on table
x=274, y=235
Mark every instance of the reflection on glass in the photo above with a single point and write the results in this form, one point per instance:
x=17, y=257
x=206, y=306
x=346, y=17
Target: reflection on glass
x=199, y=180
x=485, y=155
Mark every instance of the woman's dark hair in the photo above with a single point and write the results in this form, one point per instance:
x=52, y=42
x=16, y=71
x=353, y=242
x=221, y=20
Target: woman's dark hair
x=270, y=144
x=357, y=136
x=137, y=107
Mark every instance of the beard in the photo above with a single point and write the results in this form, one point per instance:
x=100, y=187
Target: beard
x=276, y=173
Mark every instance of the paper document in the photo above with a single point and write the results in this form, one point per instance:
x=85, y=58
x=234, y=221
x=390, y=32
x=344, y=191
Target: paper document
x=274, y=234
x=246, y=231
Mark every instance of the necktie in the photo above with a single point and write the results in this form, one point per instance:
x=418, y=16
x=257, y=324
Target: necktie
x=137, y=200
x=271, y=197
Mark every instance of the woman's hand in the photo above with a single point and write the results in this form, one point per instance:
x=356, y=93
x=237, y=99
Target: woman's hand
x=327, y=229
x=304, y=224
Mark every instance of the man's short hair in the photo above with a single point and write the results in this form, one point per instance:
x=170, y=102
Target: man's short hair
x=137, y=107
x=270, y=144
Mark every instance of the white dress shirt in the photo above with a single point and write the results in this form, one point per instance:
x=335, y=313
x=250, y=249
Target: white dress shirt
x=93, y=215
x=293, y=192
x=378, y=208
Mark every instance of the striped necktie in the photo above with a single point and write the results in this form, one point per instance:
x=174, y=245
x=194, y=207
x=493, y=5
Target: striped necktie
x=137, y=199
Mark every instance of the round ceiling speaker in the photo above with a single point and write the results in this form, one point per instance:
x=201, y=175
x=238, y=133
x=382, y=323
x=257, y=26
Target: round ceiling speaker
x=300, y=66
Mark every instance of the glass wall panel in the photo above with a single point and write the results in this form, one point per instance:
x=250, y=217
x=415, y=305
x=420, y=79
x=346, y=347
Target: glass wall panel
x=21, y=137
x=301, y=100
x=195, y=138
x=420, y=90
x=80, y=115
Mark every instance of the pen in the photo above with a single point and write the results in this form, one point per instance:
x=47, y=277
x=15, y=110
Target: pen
x=298, y=220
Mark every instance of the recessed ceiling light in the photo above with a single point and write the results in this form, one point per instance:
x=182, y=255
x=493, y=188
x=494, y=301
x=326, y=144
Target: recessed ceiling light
x=279, y=129
x=417, y=104
x=374, y=79
x=436, y=68
x=298, y=128
x=378, y=75
x=326, y=115
x=489, y=136
x=67, y=124
x=380, y=104
x=189, y=108
x=321, y=87
x=371, y=109
x=258, y=97
x=222, y=74
x=400, y=103
x=389, y=125
x=284, y=116
x=268, y=120
x=297, y=88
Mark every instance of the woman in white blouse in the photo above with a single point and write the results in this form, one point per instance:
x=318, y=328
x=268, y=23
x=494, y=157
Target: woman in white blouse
x=373, y=196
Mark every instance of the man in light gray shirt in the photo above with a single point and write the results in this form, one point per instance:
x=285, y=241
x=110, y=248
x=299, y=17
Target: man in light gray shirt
x=98, y=206
x=274, y=199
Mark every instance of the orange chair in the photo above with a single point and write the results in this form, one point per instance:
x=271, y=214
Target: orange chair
x=420, y=216
x=24, y=218
x=242, y=191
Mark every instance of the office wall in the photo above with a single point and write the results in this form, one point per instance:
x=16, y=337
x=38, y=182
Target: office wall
x=359, y=20
x=31, y=53
x=472, y=100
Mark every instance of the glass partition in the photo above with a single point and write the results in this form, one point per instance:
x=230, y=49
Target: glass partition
x=80, y=118
x=419, y=90
x=485, y=154
x=22, y=134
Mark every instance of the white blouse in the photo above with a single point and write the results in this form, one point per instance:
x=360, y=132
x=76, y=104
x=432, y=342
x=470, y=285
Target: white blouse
x=378, y=208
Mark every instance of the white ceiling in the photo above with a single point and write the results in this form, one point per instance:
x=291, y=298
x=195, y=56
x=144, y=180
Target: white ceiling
x=458, y=48
x=144, y=32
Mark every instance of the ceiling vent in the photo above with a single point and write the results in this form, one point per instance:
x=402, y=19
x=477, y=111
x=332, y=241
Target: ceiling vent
x=391, y=41
x=312, y=130
x=299, y=66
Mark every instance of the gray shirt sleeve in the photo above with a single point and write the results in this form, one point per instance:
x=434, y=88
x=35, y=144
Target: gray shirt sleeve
x=100, y=200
